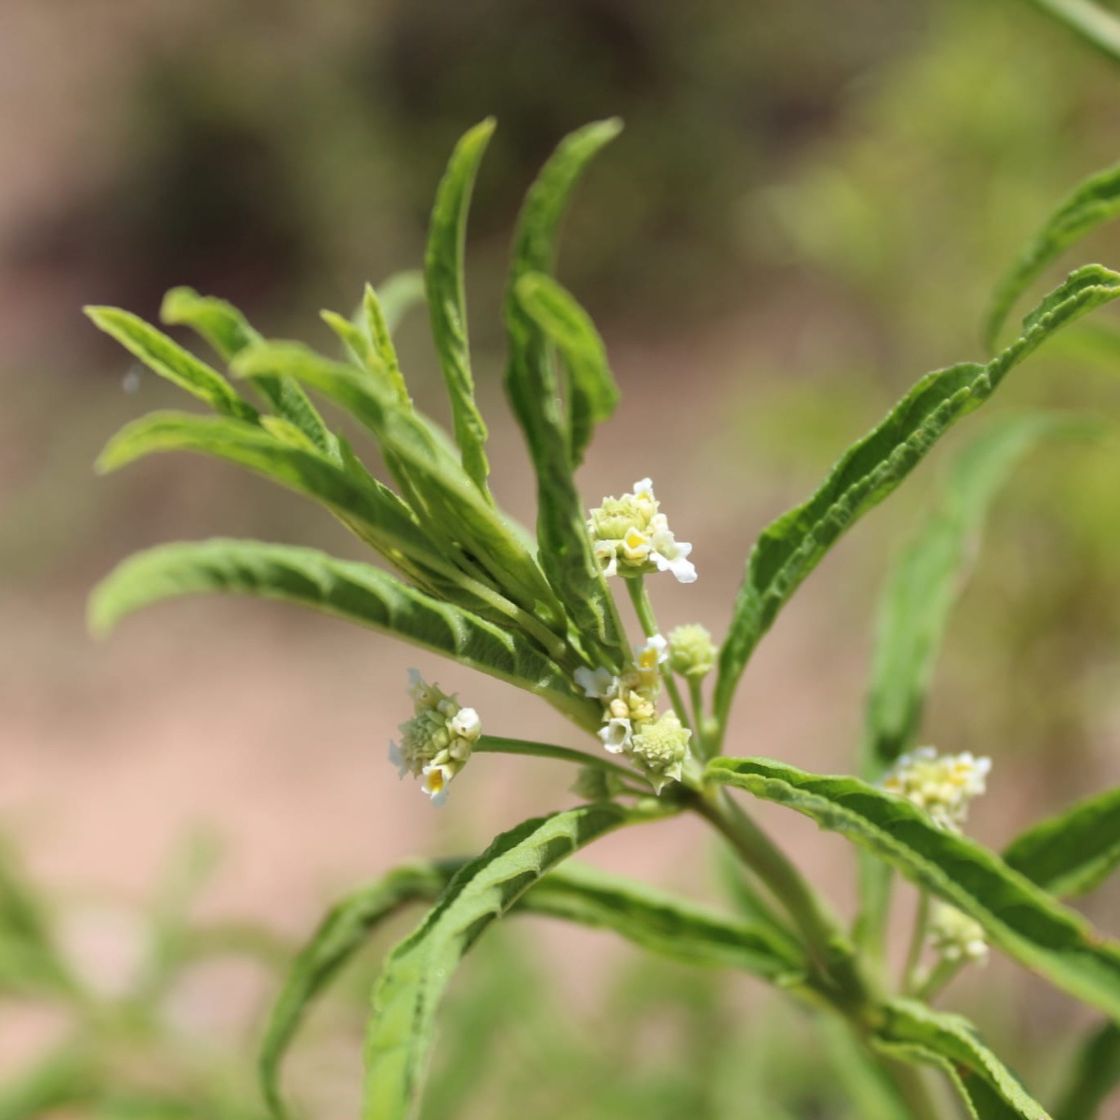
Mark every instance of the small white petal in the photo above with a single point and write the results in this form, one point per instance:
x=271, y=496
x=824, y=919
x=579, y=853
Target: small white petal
x=466, y=724
x=684, y=570
x=643, y=486
x=615, y=735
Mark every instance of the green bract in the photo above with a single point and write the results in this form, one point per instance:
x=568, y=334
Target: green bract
x=533, y=609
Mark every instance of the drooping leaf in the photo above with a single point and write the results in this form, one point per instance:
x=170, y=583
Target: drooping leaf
x=925, y=582
x=452, y=507
x=1072, y=852
x=219, y=322
x=950, y=1042
x=1017, y=916
x=369, y=508
x=352, y=591
x=1095, y=1074
x=792, y=546
x=167, y=358
x=1092, y=202
x=648, y=918
x=593, y=394
x=444, y=274
x=565, y=548
x=417, y=971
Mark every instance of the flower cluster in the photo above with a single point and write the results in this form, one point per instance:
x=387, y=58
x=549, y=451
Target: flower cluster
x=437, y=741
x=956, y=936
x=631, y=724
x=631, y=537
x=942, y=785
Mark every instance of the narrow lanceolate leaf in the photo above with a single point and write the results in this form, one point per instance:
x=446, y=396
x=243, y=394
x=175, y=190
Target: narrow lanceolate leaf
x=565, y=549
x=167, y=358
x=450, y=507
x=229, y=332
x=1074, y=851
x=219, y=322
x=1095, y=1074
x=925, y=582
x=416, y=973
x=650, y=919
x=370, y=509
x=379, y=329
x=1091, y=203
x=444, y=271
x=792, y=546
x=592, y=392
x=355, y=592
x=990, y=1089
x=1018, y=916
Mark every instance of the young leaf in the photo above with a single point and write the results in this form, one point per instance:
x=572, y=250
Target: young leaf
x=219, y=322
x=447, y=296
x=925, y=582
x=593, y=394
x=792, y=546
x=1017, y=916
x=1071, y=853
x=655, y=921
x=171, y=361
x=352, y=591
x=1095, y=1074
x=1092, y=202
x=379, y=330
x=565, y=550
x=373, y=511
x=398, y=295
x=990, y=1089
x=453, y=507
x=417, y=971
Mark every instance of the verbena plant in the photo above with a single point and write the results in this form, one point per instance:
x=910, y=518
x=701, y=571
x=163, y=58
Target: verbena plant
x=538, y=611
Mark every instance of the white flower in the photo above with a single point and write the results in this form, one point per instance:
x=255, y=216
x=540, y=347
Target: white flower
x=942, y=785
x=597, y=684
x=437, y=741
x=956, y=936
x=616, y=734
x=652, y=652
x=631, y=537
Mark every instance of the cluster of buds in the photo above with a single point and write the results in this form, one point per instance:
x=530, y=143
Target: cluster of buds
x=437, y=741
x=631, y=724
x=956, y=936
x=942, y=785
x=631, y=537
x=692, y=653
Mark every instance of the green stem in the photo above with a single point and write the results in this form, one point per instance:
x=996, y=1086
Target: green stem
x=917, y=943
x=940, y=975
x=496, y=744
x=643, y=608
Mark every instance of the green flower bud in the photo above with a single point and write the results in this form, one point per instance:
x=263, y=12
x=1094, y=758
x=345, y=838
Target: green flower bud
x=660, y=747
x=692, y=653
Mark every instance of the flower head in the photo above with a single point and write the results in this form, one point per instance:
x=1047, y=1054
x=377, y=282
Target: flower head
x=942, y=785
x=956, y=936
x=437, y=741
x=660, y=748
x=692, y=653
x=631, y=537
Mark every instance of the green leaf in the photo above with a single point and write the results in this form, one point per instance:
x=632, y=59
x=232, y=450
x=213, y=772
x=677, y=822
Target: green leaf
x=1093, y=202
x=647, y=918
x=870, y=470
x=1095, y=1074
x=1071, y=853
x=1018, y=917
x=565, y=549
x=171, y=361
x=352, y=591
x=373, y=511
x=379, y=330
x=453, y=507
x=219, y=322
x=990, y=1089
x=447, y=296
x=1087, y=19
x=593, y=392
x=418, y=970
x=398, y=294
x=925, y=582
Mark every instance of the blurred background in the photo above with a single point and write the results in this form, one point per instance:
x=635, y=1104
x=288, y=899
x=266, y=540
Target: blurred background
x=806, y=211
